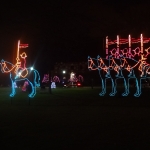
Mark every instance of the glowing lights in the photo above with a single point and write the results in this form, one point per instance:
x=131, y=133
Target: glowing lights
x=31, y=68
x=53, y=85
x=121, y=63
x=73, y=77
x=45, y=78
x=64, y=72
x=25, y=85
x=131, y=53
x=56, y=79
x=19, y=72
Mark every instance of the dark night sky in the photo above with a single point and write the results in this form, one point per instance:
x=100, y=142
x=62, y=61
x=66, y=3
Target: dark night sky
x=68, y=31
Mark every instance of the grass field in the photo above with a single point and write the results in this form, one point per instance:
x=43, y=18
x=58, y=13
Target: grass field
x=74, y=118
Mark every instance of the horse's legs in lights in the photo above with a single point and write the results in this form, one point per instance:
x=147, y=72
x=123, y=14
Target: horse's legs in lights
x=114, y=91
x=126, y=86
x=32, y=92
x=13, y=92
x=138, y=87
x=103, y=92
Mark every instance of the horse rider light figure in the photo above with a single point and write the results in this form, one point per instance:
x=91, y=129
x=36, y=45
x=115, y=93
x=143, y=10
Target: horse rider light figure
x=21, y=66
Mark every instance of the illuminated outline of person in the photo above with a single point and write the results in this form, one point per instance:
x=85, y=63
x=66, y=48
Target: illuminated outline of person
x=23, y=62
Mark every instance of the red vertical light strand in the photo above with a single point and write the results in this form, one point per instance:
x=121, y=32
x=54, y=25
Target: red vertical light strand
x=129, y=38
x=106, y=47
x=141, y=43
x=117, y=46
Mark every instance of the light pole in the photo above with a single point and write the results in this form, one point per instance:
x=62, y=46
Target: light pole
x=50, y=90
x=64, y=72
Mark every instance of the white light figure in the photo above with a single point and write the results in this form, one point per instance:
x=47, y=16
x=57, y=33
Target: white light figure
x=73, y=77
x=53, y=85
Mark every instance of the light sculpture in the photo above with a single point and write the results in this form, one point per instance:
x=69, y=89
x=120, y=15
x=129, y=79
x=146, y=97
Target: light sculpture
x=15, y=85
x=25, y=85
x=19, y=72
x=80, y=78
x=53, y=80
x=122, y=64
x=45, y=78
x=73, y=77
x=53, y=85
x=56, y=79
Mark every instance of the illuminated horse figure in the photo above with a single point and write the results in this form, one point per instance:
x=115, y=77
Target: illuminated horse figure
x=18, y=74
x=116, y=68
x=113, y=67
x=107, y=70
x=138, y=70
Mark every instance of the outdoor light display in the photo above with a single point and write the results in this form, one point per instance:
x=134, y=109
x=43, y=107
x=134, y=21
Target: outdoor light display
x=45, y=78
x=122, y=64
x=80, y=78
x=19, y=72
x=128, y=51
x=53, y=85
x=15, y=85
x=53, y=80
x=73, y=77
x=24, y=88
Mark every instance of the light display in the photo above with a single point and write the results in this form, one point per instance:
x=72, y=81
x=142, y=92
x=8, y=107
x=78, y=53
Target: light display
x=25, y=85
x=45, y=78
x=53, y=85
x=19, y=72
x=73, y=77
x=122, y=64
x=54, y=80
x=80, y=78
x=15, y=85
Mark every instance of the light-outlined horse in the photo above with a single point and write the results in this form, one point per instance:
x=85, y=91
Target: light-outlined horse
x=127, y=72
x=114, y=68
x=138, y=70
x=124, y=67
x=105, y=72
x=18, y=74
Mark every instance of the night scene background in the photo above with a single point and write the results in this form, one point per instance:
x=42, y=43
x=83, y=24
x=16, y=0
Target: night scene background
x=68, y=31
x=72, y=118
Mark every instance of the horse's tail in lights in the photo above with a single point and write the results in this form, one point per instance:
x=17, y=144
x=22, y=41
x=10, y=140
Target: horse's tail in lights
x=37, y=78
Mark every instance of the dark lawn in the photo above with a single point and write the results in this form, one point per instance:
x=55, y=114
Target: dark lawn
x=74, y=118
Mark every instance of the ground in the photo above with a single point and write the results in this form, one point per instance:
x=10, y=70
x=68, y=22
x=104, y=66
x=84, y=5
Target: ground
x=74, y=118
